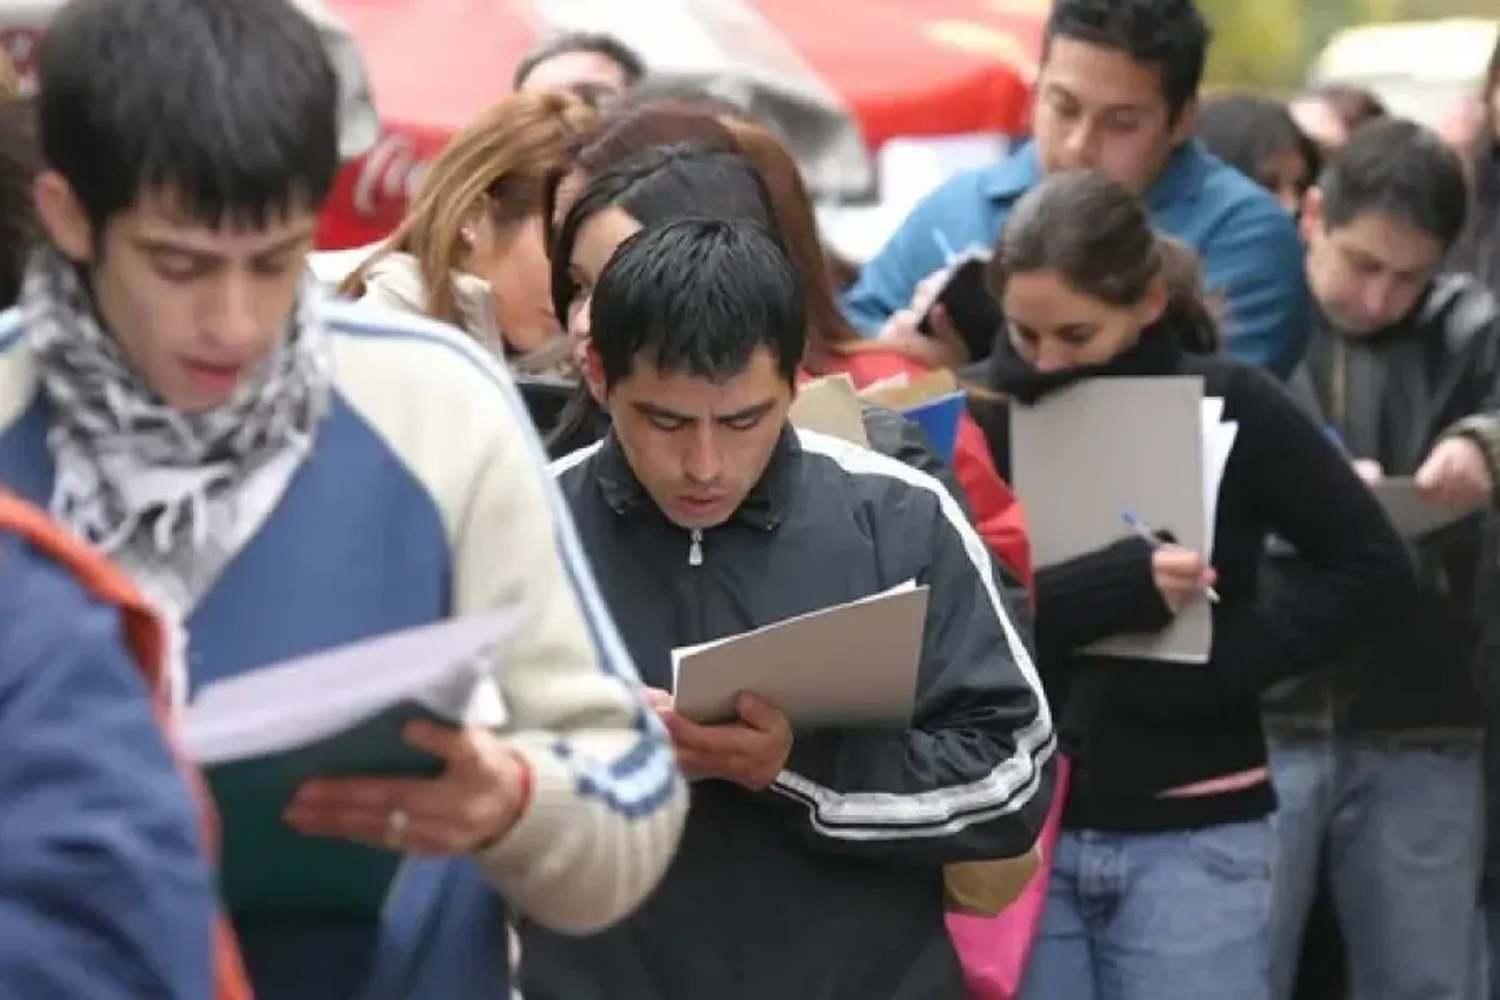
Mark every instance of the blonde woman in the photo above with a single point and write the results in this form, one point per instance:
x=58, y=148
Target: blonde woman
x=472, y=248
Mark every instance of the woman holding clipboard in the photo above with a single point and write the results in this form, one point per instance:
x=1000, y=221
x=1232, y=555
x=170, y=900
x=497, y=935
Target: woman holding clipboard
x=1161, y=885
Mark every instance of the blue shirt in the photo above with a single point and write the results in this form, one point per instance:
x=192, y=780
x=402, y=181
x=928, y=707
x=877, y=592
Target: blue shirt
x=1249, y=246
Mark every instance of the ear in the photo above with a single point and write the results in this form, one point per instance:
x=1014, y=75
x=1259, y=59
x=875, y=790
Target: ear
x=593, y=373
x=1154, y=303
x=1311, y=219
x=1186, y=125
x=62, y=217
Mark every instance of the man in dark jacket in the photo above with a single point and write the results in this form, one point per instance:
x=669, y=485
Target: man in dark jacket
x=812, y=864
x=1377, y=758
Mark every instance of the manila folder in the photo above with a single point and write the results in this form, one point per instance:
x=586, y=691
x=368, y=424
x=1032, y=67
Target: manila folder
x=1086, y=455
x=851, y=664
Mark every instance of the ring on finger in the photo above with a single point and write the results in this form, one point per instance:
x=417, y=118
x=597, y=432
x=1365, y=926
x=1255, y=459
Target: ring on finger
x=395, y=828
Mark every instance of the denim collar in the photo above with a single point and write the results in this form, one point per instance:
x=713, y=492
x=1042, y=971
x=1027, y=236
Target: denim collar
x=1180, y=180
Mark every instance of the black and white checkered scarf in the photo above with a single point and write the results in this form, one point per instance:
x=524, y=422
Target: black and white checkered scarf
x=131, y=470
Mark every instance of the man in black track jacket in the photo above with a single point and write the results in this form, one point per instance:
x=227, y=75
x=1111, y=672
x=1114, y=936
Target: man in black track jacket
x=812, y=863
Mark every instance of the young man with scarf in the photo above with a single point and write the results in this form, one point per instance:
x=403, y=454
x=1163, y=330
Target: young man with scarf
x=282, y=473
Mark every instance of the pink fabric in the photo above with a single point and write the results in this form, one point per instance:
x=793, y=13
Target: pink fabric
x=994, y=950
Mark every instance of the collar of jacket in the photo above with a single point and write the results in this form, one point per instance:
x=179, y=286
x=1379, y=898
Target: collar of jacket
x=1180, y=179
x=1455, y=305
x=764, y=508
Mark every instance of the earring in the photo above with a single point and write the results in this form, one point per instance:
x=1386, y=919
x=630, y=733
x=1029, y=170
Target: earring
x=467, y=235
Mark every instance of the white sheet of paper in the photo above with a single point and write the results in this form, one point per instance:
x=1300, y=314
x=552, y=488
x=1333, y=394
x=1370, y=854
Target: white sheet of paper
x=448, y=667
x=1412, y=515
x=1218, y=443
x=850, y=664
x=1084, y=456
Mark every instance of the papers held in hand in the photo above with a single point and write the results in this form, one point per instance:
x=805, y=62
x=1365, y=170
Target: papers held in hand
x=295, y=703
x=1413, y=515
x=852, y=664
x=342, y=712
x=1152, y=446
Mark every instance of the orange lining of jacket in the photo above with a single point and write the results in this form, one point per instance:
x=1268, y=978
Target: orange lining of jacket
x=146, y=637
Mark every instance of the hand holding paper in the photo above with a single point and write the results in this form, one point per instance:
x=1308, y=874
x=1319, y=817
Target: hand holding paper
x=1456, y=476
x=475, y=801
x=750, y=752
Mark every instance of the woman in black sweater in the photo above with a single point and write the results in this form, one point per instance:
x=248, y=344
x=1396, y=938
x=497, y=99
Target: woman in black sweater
x=1161, y=886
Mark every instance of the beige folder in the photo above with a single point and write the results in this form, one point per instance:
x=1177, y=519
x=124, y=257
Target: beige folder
x=851, y=664
x=830, y=406
x=1085, y=456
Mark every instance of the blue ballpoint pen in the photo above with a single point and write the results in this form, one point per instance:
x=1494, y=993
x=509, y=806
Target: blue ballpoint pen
x=1135, y=525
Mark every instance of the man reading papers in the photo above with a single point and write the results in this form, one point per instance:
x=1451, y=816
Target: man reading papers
x=812, y=864
x=288, y=474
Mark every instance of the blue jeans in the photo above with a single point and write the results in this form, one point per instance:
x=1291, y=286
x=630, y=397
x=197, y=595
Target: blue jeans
x=1169, y=916
x=1403, y=832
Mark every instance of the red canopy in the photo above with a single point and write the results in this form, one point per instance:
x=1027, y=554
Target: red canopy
x=904, y=67
x=920, y=67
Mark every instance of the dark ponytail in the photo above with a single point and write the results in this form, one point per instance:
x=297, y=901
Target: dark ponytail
x=1191, y=314
x=1098, y=236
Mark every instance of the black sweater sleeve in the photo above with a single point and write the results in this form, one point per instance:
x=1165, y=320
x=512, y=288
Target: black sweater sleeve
x=1358, y=567
x=1109, y=591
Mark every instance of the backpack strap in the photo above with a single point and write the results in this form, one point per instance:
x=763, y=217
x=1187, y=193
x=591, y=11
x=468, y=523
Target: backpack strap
x=146, y=637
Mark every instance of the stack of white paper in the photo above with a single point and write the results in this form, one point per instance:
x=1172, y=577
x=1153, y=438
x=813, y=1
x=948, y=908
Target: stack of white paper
x=1218, y=441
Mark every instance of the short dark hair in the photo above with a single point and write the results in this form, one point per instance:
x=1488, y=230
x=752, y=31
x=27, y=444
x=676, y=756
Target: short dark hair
x=1398, y=168
x=1246, y=130
x=231, y=108
x=1168, y=35
x=698, y=297
x=632, y=66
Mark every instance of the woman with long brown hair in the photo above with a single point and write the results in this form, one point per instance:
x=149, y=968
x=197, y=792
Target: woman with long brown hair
x=471, y=250
x=1170, y=788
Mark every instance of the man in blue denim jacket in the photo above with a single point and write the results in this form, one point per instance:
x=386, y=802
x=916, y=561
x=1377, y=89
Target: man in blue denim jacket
x=1117, y=93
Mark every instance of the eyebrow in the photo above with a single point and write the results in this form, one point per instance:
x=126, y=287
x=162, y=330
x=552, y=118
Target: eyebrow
x=167, y=245
x=661, y=412
x=1058, y=88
